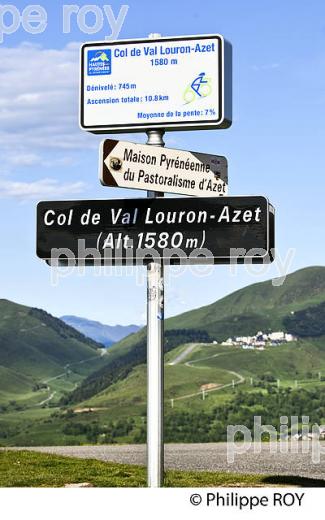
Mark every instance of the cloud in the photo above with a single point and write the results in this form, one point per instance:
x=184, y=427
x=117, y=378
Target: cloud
x=32, y=159
x=24, y=159
x=39, y=99
x=39, y=189
x=175, y=297
x=142, y=320
x=267, y=66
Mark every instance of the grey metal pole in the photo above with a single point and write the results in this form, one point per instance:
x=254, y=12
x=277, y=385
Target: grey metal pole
x=155, y=356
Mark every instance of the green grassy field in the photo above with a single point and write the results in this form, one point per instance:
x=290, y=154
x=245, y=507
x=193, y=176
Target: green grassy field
x=217, y=364
x=37, y=348
x=126, y=399
x=21, y=389
x=263, y=306
x=31, y=469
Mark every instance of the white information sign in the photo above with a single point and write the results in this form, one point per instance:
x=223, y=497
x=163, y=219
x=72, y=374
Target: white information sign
x=170, y=83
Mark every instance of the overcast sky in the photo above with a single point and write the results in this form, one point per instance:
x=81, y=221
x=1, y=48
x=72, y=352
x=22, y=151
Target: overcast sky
x=275, y=146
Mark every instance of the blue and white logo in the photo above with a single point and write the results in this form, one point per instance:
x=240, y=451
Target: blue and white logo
x=99, y=62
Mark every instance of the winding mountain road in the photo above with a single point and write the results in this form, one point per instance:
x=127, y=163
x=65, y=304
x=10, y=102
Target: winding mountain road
x=185, y=353
x=59, y=376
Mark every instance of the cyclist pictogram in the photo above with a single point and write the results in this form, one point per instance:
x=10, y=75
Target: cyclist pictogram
x=200, y=87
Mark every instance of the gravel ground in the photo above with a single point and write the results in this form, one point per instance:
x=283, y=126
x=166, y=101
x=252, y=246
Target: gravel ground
x=211, y=457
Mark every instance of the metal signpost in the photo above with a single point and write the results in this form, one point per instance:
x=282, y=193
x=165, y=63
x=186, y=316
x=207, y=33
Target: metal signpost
x=154, y=85
x=130, y=165
x=178, y=83
x=155, y=353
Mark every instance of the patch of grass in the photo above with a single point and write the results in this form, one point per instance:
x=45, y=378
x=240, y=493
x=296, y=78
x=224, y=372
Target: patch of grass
x=31, y=469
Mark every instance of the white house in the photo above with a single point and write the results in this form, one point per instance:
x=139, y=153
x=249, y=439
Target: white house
x=277, y=336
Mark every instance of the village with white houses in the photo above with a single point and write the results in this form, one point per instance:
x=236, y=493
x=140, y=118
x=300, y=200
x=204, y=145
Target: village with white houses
x=260, y=340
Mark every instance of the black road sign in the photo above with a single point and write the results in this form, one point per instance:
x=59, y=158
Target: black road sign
x=136, y=231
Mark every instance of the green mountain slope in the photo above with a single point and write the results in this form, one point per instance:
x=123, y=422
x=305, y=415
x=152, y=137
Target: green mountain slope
x=36, y=347
x=262, y=306
x=282, y=380
x=109, y=404
x=307, y=322
x=119, y=366
x=209, y=364
x=258, y=306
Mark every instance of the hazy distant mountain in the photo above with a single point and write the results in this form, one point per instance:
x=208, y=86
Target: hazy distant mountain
x=105, y=334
